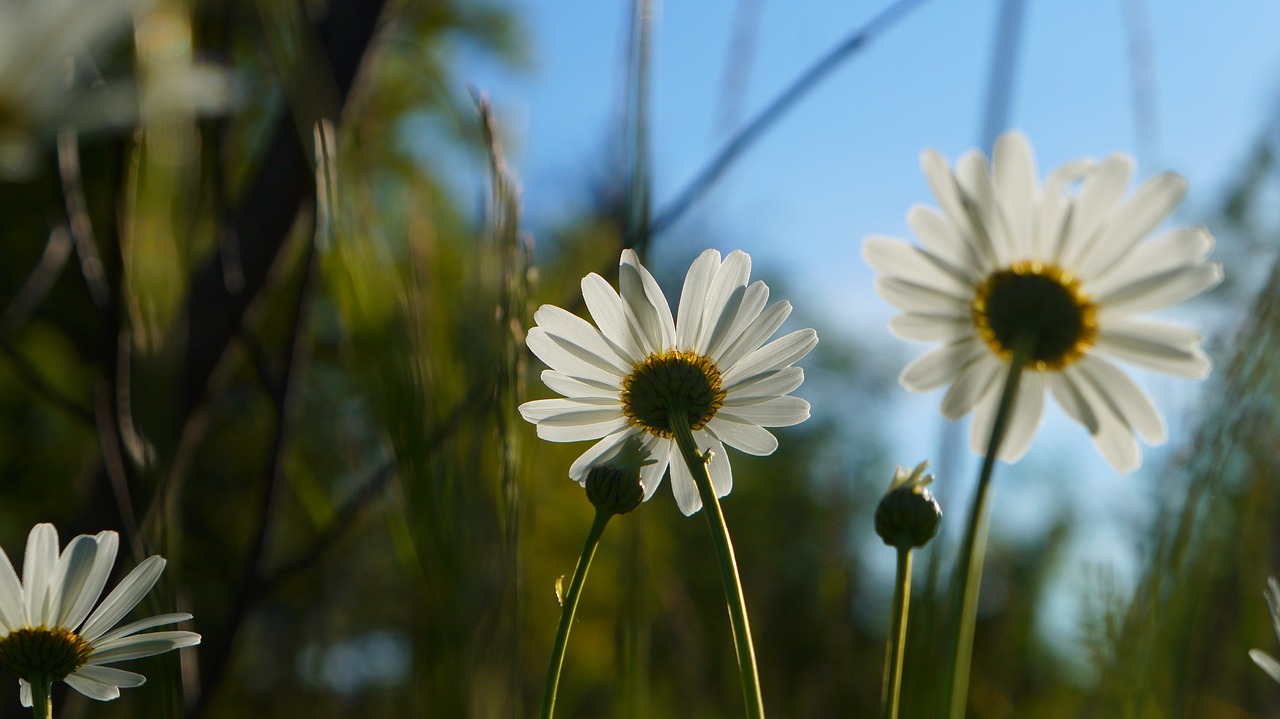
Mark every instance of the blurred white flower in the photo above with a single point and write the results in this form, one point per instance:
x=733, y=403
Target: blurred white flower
x=620, y=380
x=1259, y=657
x=47, y=631
x=1064, y=266
x=40, y=40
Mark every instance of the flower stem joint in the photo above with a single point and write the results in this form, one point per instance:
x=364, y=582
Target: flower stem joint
x=908, y=516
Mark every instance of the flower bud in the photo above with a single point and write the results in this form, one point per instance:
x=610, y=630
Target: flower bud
x=908, y=515
x=613, y=483
x=614, y=489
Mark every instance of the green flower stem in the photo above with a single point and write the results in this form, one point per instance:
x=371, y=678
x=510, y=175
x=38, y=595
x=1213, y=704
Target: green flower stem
x=567, y=610
x=41, y=698
x=679, y=423
x=964, y=603
x=897, y=635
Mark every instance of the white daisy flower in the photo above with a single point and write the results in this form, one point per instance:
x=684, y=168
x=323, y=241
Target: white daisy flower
x=1265, y=661
x=618, y=381
x=38, y=41
x=1064, y=265
x=46, y=629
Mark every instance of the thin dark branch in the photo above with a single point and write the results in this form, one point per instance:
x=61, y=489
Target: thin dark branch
x=216, y=653
x=39, y=282
x=371, y=488
x=1004, y=62
x=1142, y=74
x=268, y=208
x=742, y=47
x=846, y=49
x=78, y=216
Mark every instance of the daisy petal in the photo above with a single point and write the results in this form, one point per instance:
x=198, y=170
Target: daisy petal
x=123, y=598
x=777, y=412
x=755, y=335
x=718, y=468
x=1182, y=247
x=564, y=325
x=141, y=645
x=1114, y=440
x=581, y=432
x=894, y=258
x=651, y=474
x=973, y=383
x=1156, y=292
x=1028, y=411
x=578, y=388
x=1266, y=663
x=941, y=328
x=1015, y=178
x=752, y=303
x=1148, y=207
x=80, y=586
x=693, y=296
x=764, y=385
x=683, y=487
x=111, y=675
x=570, y=359
x=143, y=624
x=910, y=296
x=37, y=572
x=584, y=462
x=744, y=437
x=1125, y=399
x=101, y=691
x=1067, y=393
x=939, y=237
x=648, y=305
x=1099, y=195
x=725, y=291
x=941, y=365
x=610, y=314
x=571, y=411
x=1027, y=415
x=11, y=602
x=1163, y=348
x=782, y=352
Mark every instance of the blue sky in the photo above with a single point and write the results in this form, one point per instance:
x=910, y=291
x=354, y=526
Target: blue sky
x=843, y=163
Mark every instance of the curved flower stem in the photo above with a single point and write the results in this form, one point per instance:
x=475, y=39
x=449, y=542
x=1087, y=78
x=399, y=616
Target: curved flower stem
x=41, y=698
x=964, y=603
x=897, y=635
x=679, y=423
x=567, y=610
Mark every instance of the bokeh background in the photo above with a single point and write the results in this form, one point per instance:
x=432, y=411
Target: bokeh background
x=272, y=328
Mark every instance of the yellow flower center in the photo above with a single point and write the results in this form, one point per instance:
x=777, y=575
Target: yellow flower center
x=674, y=379
x=43, y=652
x=1039, y=301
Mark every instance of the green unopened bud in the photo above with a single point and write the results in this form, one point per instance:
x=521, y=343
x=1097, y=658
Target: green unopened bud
x=908, y=515
x=614, y=489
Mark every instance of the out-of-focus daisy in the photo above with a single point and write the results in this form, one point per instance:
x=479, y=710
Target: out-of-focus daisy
x=1265, y=661
x=47, y=632
x=39, y=40
x=1066, y=266
x=620, y=380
